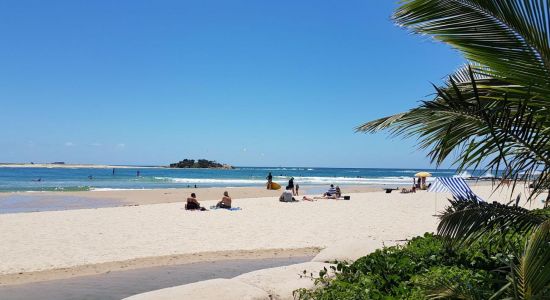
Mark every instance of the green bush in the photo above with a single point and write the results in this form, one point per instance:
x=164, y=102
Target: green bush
x=423, y=267
x=455, y=283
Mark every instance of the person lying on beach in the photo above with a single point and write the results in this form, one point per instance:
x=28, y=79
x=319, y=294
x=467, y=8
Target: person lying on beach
x=326, y=196
x=193, y=203
x=226, y=201
x=287, y=196
x=306, y=198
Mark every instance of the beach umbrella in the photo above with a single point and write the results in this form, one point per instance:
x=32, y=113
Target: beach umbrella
x=422, y=174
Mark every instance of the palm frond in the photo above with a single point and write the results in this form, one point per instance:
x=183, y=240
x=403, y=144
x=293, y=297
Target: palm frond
x=466, y=221
x=447, y=289
x=533, y=271
x=490, y=124
x=509, y=38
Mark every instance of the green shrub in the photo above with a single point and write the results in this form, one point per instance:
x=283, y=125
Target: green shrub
x=425, y=266
x=454, y=283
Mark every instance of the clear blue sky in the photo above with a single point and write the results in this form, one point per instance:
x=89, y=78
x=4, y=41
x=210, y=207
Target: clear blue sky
x=254, y=83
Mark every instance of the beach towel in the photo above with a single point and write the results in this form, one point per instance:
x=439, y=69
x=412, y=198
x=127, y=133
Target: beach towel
x=232, y=208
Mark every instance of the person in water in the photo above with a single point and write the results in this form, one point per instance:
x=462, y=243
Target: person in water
x=269, y=180
x=226, y=201
x=193, y=203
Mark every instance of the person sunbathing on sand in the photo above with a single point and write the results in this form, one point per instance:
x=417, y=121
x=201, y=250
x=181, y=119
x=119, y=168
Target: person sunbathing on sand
x=226, y=201
x=306, y=198
x=193, y=203
x=326, y=196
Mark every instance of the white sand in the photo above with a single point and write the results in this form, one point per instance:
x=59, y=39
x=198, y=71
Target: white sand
x=52, y=240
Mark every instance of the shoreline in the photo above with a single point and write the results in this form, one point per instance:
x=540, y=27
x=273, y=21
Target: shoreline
x=153, y=261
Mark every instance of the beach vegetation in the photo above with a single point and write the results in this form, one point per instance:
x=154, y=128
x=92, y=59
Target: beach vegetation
x=481, y=251
x=422, y=268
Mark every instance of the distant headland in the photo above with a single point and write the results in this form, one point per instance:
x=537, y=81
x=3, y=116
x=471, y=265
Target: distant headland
x=200, y=164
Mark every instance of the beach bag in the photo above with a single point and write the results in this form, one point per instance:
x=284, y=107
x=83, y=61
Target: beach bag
x=347, y=197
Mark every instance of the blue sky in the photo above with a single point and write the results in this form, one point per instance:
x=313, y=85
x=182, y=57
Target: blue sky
x=255, y=83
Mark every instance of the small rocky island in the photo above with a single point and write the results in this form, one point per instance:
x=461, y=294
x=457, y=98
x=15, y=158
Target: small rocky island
x=200, y=164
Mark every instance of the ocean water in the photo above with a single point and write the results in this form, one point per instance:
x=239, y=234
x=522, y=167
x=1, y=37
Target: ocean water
x=82, y=179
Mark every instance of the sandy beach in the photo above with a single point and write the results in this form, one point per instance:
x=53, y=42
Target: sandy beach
x=156, y=196
x=60, y=244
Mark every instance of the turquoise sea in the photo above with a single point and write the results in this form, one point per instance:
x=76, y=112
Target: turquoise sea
x=81, y=179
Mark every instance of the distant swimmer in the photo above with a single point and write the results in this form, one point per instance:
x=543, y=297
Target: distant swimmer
x=90, y=177
x=137, y=173
x=113, y=171
x=39, y=179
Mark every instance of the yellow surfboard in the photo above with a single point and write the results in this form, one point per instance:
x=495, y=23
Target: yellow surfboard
x=275, y=186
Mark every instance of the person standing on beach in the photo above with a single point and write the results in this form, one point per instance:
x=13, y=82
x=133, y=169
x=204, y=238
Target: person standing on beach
x=269, y=180
x=291, y=185
x=297, y=190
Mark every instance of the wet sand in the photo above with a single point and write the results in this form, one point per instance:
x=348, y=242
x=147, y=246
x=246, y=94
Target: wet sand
x=121, y=284
x=156, y=261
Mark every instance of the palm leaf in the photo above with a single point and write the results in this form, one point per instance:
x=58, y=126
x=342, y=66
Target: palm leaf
x=508, y=37
x=487, y=122
x=533, y=271
x=466, y=221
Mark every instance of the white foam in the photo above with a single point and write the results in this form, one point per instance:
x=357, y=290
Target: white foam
x=283, y=180
x=488, y=175
x=211, y=180
x=116, y=189
x=464, y=174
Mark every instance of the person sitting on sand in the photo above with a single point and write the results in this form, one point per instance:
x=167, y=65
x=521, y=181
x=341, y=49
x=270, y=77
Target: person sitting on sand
x=338, y=192
x=226, y=201
x=287, y=196
x=331, y=191
x=193, y=203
